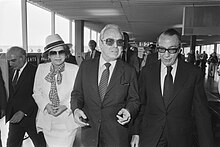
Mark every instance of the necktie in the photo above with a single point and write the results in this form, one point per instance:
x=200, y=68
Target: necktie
x=15, y=79
x=92, y=54
x=104, y=81
x=168, y=86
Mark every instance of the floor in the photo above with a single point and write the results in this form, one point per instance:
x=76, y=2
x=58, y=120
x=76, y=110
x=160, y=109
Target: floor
x=212, y=94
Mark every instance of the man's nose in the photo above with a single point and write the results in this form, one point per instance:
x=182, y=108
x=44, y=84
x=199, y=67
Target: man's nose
x=166, y=53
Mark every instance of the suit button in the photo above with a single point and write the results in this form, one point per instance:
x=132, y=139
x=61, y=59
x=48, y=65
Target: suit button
x=162, y=127
x=99, y=121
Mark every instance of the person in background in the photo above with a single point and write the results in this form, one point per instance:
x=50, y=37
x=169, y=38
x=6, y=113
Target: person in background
x=203, y=61
x=93, y=53
x=130, y=56
x=172, y=94
x=21, y=109
x=52, y=88
x=3, y=100
x=213, y=61
x=104, y=98
x=197, y=58
x=191, y=57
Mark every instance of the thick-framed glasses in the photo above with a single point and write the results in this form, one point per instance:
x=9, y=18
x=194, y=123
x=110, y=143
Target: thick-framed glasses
x=171, y=50
x=52, y=53
x=111, y=41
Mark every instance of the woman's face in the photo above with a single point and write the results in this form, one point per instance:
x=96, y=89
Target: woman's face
x=57, y=55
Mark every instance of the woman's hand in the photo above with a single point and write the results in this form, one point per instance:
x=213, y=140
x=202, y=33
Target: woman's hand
x=49, y=108
x=59, y=110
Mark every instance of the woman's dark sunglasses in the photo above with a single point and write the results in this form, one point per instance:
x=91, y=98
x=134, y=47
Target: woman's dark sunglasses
x=111, y=41
x=52, y=53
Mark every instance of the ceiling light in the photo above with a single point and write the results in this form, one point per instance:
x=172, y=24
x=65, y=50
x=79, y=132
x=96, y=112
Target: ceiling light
x=103, y=12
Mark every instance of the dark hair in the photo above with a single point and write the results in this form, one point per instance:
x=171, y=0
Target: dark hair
x=171, y=32
x=65, y=48
x=93, y=42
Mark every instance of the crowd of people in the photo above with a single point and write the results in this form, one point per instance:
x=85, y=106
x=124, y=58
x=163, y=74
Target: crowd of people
x=107, y=101
x=202, y=61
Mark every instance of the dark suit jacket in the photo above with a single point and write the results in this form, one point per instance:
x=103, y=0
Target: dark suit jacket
x=189, y=99
x=151, y=58
x=3, y=97
x=121, y=93
x=88, y=56
x=21, y=97
x=71, y=59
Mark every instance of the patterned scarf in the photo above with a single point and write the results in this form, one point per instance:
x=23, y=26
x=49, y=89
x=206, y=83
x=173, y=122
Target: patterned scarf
x=53, y=95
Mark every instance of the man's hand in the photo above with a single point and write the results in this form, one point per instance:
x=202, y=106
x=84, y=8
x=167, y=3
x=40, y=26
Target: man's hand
x=123, y=116
x=79, y=116
x=17, y=117
x=135, y=141
x=59, y=110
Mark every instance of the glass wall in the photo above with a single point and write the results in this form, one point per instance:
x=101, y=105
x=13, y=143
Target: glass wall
x=218, y=49
x=86, y=38
x=62, y=27
x=209, y=49
x=39, y=27
x=10, y=25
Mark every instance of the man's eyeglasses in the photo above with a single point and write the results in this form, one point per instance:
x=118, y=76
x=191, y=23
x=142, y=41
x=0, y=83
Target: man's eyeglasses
x=52, y=53
x=111, y=41
x=171, y=50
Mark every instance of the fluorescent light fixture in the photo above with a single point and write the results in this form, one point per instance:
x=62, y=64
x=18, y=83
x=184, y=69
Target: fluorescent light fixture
x=199, y=39
x=178, y=26
x=103, y=12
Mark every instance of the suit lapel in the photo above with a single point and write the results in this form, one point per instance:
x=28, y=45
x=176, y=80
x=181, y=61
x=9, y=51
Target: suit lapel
x=93, y=74
x=181, y=76
x=157, y=84
x=117, y=73
x=21, y=77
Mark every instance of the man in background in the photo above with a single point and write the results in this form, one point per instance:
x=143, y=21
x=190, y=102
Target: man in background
x=93, y=53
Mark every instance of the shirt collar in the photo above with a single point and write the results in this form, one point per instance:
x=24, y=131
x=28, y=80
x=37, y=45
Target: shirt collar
x=102, y=62
x=174, y=66
x=22, y=68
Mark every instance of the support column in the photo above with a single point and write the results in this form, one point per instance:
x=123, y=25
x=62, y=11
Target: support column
x=24, y=24
x=215, y=47
x=193, y=47
x=52, y=22
x=79, y=40
x=70, y=31
x=193, y=43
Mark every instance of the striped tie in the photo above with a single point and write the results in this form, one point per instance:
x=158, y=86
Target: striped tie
x=15, y=79
x=104, y=81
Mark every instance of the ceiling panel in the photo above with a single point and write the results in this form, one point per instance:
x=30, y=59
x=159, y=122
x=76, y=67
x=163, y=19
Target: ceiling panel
x=143, y=19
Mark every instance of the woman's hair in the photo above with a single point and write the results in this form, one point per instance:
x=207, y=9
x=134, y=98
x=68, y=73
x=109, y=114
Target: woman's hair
x=45, y=55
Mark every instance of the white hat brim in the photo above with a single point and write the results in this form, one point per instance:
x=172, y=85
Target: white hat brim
x=63, y=44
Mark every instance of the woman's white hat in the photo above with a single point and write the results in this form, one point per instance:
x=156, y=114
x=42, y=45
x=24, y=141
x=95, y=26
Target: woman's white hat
x=53, y=41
